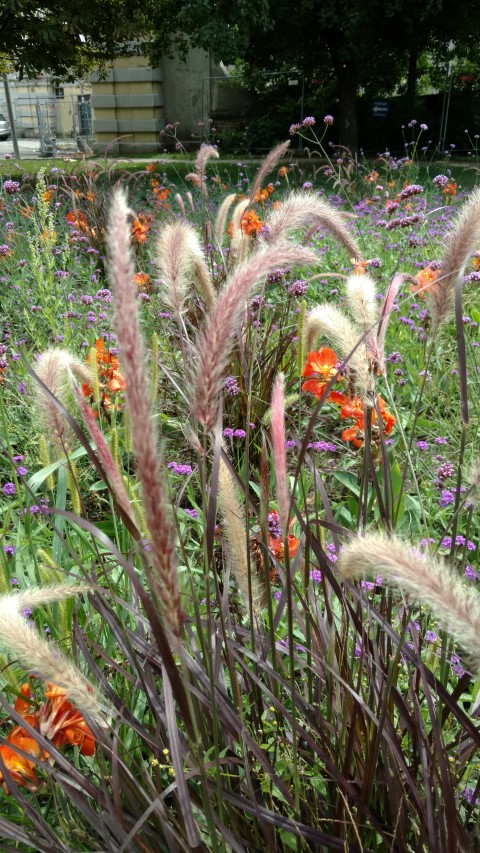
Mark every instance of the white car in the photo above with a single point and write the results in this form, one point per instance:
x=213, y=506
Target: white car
x=4, y=127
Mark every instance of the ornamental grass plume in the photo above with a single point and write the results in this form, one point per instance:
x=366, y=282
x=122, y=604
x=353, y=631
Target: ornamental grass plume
x=428, y=580
x=222, y=216
x=268, y=166
x=301, y=209
x=460, y=245
x=361, y=297
x=163, y=579
x=279, y=453
x=35, y=653
x=108, y=463
x=216, y=339
x=205, y=153
x=182, y=264
x=56, y=368
x=234, y=527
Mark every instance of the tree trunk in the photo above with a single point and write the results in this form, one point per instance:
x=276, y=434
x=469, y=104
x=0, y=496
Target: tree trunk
x=412, y=80
x=347, y=88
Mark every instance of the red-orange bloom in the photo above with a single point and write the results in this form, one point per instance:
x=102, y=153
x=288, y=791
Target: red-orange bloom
x=140, y=228
x=61, y=723
x=108, y=374
x=251, y=224
x=322, y=363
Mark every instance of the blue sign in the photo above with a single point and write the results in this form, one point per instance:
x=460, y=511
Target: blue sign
x=380, y=108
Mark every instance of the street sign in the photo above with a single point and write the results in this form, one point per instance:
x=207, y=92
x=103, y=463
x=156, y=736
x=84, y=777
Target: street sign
x=379, y=108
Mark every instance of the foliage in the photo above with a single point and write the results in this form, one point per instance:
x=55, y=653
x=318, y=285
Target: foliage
x=329, y=713
x=65, y=38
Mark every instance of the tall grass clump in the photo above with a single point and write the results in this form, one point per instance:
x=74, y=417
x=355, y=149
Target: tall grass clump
x=239, y=518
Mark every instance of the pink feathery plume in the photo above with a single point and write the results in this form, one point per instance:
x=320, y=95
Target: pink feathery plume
x=163, y=580
x=268, y=166
x=279, y=454
x=385, y=314
x=216, y=340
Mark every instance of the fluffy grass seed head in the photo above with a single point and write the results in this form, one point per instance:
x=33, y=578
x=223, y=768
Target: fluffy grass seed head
x=428, y=580
x=216, y=340
x=55, y=368
x=460, y=245
x=35, y=653
x=182, y=264
x=301, y=209
x=234, y=525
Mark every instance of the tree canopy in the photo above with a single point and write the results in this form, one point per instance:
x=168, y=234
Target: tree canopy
x=66, y=37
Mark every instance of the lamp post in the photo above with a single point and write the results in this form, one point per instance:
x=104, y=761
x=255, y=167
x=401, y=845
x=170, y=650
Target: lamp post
x=11, y=118
x=446, y=98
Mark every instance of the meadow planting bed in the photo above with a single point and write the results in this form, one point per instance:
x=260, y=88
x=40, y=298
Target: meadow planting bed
x=239, y=473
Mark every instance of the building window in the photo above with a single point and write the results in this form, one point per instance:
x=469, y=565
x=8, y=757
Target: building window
x=59, y=93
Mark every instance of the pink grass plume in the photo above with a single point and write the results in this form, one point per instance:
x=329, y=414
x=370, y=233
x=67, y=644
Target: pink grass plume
x=163, y=579
x=279, y=453
x=216, y=341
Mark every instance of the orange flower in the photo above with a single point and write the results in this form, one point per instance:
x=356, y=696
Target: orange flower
x=263, y=195
x=275, y=543
x=150, y=167
x=143, y=281
x=108, y=374
x=140, y=228
x=372, y=177
x=47, y=195
x=251, y=224
x=425, y=279
x=388, y=419
x=450, y=188
x=323, y=363
x=61, y=723
x=283, y=172
x=57, y=720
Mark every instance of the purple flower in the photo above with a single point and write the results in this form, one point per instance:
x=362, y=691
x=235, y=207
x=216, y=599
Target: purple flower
x=430, y=636
x=191, y=512
x=469, y=795
x=447, y=498
x=9, y=550
x=230, y=386
x=21, y=471
x=273, y=524
x=328, y=119
x=309, y=121
x=227, y=432
x=307, y=185
x=177, y=468
x=422, y=445
x=297, y=288
x=8, y=489
x=239, y=433
x=316, y=575
x=460, y=542
x=440, y=439
x=409, y=191
x=444, y=471
x=294, y=128
x=11, y=187
x=440, y=181
x=470, y=573
x=424, y=127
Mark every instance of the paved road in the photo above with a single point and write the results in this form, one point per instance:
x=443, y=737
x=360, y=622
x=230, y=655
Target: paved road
x=30, y=148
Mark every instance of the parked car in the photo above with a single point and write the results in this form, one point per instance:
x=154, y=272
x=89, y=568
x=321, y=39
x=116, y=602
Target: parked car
x=4, y=127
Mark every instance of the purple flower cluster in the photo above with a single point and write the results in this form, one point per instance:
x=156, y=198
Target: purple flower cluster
x=460, y=542
x=8, y=489
x=11, y=187
x=230, y=386
x=273, y=524
x=177, y=468
x=409, y=191
x=298, y=288
x=309, y=121
x=440, y=181
x=234, y=433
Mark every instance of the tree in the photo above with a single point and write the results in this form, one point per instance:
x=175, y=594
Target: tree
x=67, y=37
x=365, y=44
